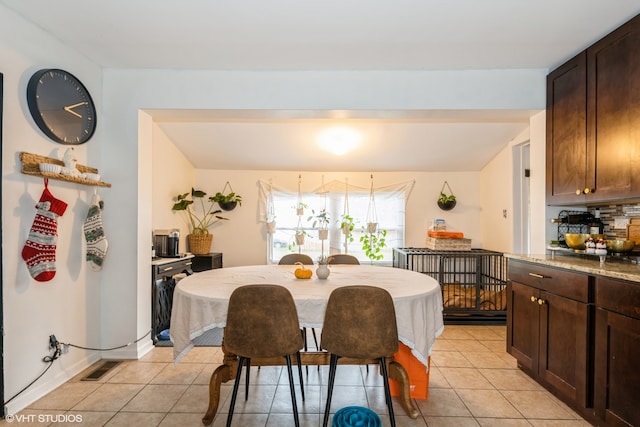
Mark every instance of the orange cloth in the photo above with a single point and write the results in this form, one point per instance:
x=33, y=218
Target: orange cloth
x=445, y=234
x=417, y=372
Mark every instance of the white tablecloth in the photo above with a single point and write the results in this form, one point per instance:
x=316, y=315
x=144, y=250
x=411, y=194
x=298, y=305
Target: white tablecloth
x=200, y=301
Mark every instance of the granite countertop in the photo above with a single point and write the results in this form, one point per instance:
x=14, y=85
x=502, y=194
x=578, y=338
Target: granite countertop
x=618, y=269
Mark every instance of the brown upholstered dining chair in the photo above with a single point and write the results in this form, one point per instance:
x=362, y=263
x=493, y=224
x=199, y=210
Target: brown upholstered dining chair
x=360, y=323
x=291, y=259
x=262, y=321
x=342, y=259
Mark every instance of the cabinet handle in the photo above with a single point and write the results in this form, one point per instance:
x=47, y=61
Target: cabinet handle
x=536, y=275
x=587, y=190
x=188, y=263
x=533, y=299
x=541, y=301
x=167, y=268
x=578, y=192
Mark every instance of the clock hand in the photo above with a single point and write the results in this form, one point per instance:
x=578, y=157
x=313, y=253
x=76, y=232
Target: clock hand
x=68, y=107
x=69, y=110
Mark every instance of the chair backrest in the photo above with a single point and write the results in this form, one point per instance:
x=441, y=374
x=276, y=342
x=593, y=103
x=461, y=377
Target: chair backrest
x=360, y=322
x=291, y=259
x=342, y=259
x=262, y=321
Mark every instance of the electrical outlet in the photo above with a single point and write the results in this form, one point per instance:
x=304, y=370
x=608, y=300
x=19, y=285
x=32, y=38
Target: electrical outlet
x=620, y=222
x=53, y=342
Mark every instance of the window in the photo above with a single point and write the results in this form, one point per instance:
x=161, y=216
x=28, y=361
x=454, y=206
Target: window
x=390, y=212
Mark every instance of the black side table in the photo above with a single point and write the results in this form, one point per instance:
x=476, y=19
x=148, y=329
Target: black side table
x=206, y=262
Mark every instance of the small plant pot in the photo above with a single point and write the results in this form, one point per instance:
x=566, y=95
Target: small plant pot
x=300, y=211
x=271, y=227
x=323, y=234
x=300, y=239
x=372, y=227
x=346, y=229
x=447, y=206
x=228, y=206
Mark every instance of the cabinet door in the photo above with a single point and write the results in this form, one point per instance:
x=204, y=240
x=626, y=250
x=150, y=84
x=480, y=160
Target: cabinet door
x=564, y=346
x=522, y=321
x=617, y=380
x=613, y=114
x=567, y=132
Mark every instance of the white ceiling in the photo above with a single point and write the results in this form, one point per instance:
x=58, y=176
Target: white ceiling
x=332, y=35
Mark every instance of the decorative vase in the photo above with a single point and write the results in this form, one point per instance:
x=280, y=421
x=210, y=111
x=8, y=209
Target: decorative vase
x=200, y=244
x=322, y=272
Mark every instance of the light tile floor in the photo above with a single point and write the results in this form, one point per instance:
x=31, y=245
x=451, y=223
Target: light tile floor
x=473, y=382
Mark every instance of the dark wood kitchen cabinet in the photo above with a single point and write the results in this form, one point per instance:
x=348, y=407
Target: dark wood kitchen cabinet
x=617, y=352
x=567, y=131
x=548, y=314
x=593, y=122
x=613, y=114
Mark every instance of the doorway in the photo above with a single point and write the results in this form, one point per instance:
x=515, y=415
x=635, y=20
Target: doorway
x=1, y=272
x=521, y=199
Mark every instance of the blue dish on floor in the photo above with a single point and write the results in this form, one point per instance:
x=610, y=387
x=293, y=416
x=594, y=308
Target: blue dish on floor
x=164, y=335
x=356, y=416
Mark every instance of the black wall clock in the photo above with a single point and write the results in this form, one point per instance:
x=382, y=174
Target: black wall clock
x=61, y=106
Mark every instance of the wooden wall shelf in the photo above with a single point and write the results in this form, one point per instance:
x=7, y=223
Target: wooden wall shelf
x=31, y=166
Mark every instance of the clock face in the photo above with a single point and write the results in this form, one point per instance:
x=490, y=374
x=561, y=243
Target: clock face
x=61, y=106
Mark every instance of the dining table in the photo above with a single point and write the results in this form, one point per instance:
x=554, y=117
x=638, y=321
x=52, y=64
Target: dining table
x=200, y=303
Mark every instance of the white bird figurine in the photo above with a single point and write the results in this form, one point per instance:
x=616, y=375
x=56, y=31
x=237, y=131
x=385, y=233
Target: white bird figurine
x=70, y=163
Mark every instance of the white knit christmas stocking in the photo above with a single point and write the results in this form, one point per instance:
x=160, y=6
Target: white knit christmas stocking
x=97, y=243
x=39, y=250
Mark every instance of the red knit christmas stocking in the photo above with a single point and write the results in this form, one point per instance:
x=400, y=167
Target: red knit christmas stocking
x=39, y=251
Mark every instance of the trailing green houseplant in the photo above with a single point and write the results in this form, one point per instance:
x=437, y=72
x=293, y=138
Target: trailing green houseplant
x=373, y=243
x=203, y=218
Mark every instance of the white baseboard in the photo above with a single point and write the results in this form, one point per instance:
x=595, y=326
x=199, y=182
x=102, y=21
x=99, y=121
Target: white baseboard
x=39, y=389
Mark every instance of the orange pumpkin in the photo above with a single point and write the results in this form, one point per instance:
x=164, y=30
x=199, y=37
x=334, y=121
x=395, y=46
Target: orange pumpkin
x=301, y=272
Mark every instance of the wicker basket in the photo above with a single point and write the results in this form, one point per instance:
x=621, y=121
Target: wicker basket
x=200, y=244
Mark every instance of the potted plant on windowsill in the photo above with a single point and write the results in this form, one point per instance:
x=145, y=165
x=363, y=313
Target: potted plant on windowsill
x=200, y=221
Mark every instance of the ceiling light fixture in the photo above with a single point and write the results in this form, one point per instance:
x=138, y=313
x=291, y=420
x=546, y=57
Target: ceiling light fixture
x=339, y=139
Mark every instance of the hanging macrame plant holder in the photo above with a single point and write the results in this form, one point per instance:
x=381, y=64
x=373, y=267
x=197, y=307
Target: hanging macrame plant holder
x=230, y=205
x=271, y=211
x=372, y=216
x=446, y=203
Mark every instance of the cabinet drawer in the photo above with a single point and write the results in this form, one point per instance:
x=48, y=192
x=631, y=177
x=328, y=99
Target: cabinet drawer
x=560, y=282
x=171, y=268
x=618, y=296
